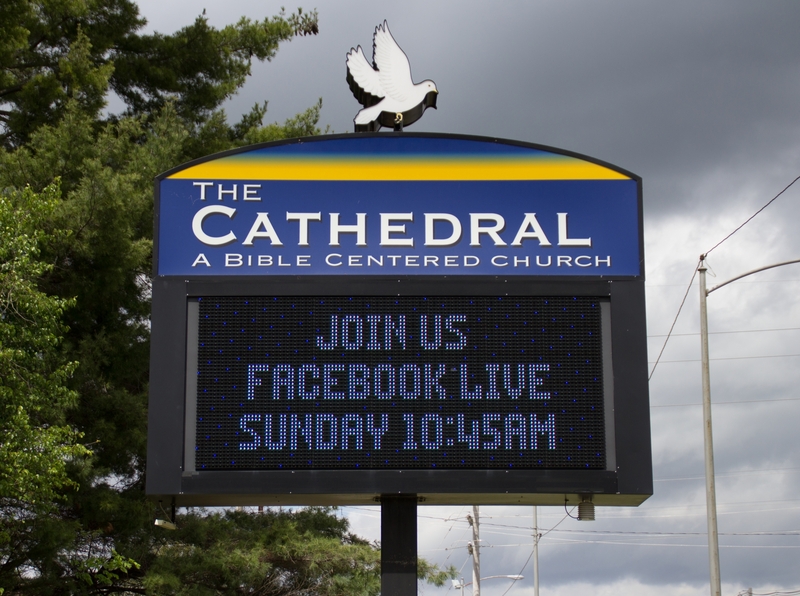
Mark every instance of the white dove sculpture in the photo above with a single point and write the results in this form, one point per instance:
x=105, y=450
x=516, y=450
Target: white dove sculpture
x=385, y=89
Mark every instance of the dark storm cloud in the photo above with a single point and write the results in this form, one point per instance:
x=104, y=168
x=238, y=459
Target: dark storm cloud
x=671, y=91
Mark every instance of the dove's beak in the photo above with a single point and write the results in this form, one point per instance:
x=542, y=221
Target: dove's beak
x=430, y=99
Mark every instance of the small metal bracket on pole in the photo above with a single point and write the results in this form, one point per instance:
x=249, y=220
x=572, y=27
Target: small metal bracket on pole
x=167, y=524
x=759, y=270
x=398, y=122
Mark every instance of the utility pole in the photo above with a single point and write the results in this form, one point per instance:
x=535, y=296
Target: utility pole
x=708, y=442
x=536, y=537
x=475, y=551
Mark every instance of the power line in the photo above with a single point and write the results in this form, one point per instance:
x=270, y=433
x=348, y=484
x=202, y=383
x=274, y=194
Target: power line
x=675, y=320
x=610, y=515
x=749, y=219
x=728, y=403
x=658, y=544
x=645, y=533
x=729, y=474
x=729, y=332
x=702, y=258
x=733, y=358
x=528, y=560
x=765, y=281
x=641, y=532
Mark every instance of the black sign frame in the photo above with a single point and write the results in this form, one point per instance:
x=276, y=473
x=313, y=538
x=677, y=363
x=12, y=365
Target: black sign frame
x=626, y=481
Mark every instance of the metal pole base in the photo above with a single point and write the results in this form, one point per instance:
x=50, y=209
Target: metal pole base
x=398, y=545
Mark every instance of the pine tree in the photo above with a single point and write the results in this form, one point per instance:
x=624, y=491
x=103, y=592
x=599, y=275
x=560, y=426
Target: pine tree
x=76, y=212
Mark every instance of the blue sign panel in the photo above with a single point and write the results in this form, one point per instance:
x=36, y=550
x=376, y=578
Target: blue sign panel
x=399, y=204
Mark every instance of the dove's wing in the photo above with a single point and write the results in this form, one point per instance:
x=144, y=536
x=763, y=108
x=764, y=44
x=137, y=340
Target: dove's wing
x=363, y=75
x=394, y=70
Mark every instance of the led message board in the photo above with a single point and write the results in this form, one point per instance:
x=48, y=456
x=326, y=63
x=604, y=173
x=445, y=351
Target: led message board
x=409, y=382
x=275, y=380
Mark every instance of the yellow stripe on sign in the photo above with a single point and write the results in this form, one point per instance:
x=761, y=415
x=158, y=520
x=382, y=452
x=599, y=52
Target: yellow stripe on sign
x=370, y=168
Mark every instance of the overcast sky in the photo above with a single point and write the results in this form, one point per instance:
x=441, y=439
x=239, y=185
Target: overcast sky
x=702, y=100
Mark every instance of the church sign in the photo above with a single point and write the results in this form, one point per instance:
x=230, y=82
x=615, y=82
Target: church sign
x=399, y=205
x=341, y=317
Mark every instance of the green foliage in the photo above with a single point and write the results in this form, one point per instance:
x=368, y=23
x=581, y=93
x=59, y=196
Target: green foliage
x=36, y=443
x=216, y=135
x=278, y=553
x=104, y=263
x=55, y=50
x=76, y=211
x=271, y=553
x=104, y=571
x=304, y=124
x=150, y=69
x=433, y=575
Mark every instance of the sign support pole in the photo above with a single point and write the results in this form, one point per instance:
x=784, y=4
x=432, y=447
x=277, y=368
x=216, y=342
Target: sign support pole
x=398, y=545
x=536, y=537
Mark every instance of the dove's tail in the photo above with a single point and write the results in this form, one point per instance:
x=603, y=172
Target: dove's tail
x=368, y=115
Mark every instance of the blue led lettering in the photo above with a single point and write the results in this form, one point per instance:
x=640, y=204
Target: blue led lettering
x=269, y=432
x=514, y=426
x=254, y=381
x=400, y=382
x=432, y=422
x=488, y=429
x=409, y=443
x=358, y=381
x=536, y=381
x=492, y=392
x=396, y=329
x=352, y=332
x=330, y=345
x=303, y=391
x=448, y=325
x=432, y=381
x=377, y=431
x=329, y=381
x=283, y=376
x=473, y=438
x=476, y=393
x=244, y=422
x=384, y=387
x=547, y=427
x=297, y=428
x=352, y=426
x=332, y=434
x=427, y=344
x=410, y=382
x=514, y=392
x=374, y=322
